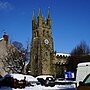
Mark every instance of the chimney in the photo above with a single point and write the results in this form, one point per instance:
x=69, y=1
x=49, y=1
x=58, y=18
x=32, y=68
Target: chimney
x=5, y=37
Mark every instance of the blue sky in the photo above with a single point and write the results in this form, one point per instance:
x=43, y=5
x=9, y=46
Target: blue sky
x=70, y=21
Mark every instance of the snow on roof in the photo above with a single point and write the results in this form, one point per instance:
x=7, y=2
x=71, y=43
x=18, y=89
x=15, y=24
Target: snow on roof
x=21, y=76
x=63, y=54
x=1, y=39
x=84, y=64
x=30, y=78
x=44, y=76
x=17, y=76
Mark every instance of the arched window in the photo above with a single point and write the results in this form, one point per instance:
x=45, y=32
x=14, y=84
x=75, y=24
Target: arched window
x=47, y=33
x=43, y=32
x=36, y=33
x=46, y=53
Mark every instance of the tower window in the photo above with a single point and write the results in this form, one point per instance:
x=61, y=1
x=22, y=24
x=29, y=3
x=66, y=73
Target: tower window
x=36, y=33
x=43, y=32
x=47, y=33
x=46, y=53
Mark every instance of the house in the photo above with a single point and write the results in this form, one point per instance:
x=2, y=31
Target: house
x=11, y=59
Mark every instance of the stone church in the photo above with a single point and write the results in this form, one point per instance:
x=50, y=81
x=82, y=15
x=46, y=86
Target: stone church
x=42, y=56
x=43, y=59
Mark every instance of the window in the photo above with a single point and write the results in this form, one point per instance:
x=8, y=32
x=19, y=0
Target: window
x=43, y=32
x=46, y=33
x=36, y=33
x=87, y=80
x=46, y=53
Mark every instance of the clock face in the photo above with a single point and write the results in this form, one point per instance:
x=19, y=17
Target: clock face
x=46, y=41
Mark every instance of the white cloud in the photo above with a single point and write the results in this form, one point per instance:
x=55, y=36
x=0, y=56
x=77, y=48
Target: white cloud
x=5, y=6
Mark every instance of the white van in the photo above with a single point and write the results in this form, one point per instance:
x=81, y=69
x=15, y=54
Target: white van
x=83, y=69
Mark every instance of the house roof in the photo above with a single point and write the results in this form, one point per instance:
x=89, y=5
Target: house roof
x=1, y=39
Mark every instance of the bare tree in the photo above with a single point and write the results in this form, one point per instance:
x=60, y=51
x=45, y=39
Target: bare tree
x=19, y=46
x=27, y=53
x=81, y=49
x=79, y=54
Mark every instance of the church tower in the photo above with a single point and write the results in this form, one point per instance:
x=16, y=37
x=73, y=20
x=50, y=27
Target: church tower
x=42, y=49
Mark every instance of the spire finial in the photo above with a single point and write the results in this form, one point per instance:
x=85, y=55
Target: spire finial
x=33, y=13
x=48, y=12
x=39, y=13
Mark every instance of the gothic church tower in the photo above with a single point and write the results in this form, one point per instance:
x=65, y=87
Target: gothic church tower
x=42, y=50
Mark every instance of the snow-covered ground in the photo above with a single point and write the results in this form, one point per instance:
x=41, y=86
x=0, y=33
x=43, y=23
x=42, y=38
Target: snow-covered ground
x=37, y=87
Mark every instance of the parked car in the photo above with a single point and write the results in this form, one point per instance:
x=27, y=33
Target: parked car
x=1, y=78
x=85, y=84
x=49, y=82
x=21, y=83
x=46, y=80
x=41, y=80
x=9, y=81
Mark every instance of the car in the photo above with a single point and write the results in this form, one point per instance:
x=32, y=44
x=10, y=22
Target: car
x=46, y=80
x=9, y=81
x=85, y=84
x=21, y=83
x=1, y=79
x=49, y=82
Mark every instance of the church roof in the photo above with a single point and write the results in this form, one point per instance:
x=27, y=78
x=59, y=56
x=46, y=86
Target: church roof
x=63, y=54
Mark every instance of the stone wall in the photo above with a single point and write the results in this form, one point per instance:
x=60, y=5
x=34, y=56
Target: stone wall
x=3, y=52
